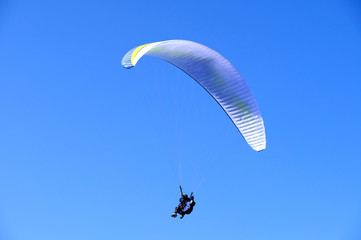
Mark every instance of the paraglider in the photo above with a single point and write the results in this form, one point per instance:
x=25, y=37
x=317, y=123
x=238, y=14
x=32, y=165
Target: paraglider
x=217, y=76
x=185, y=206
x=220, y=79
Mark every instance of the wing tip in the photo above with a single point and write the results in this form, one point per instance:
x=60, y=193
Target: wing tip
x=259, y=148
x=127, y=66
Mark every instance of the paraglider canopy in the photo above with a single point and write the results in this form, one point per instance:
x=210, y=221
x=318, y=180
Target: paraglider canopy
x=217, y=76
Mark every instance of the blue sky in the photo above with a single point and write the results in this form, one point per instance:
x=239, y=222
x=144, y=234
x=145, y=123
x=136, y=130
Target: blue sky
x=90, y=150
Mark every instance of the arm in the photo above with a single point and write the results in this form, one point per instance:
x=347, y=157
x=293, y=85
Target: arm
x=181, y=192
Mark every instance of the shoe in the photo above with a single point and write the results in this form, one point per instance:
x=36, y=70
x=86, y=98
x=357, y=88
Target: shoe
x=174, y=215
x=181, y=216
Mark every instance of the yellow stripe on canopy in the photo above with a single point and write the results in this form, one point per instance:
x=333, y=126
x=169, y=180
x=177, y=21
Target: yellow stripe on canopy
x=135, y=52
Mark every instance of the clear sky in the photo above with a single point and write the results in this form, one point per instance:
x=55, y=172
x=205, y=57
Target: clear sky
x=90, y=150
